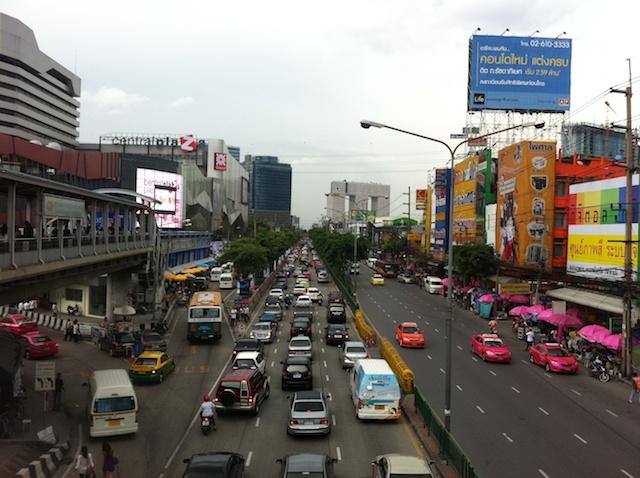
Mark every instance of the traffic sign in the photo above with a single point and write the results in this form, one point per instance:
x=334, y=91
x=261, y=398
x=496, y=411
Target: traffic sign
x=45, y=376
x=458, y=136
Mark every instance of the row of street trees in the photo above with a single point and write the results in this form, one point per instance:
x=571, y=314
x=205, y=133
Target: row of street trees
x=337, y=248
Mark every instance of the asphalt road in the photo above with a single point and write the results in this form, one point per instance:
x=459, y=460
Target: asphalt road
x=263, y=439
x=510, y=419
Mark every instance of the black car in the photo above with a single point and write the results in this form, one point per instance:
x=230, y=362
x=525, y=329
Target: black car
x=220, y=464
x=306, y=464
x=118, y=344
x=296, y=373
x=301, y=327
x=248, y=345
x=336, y=314
x=336, y=334
x=303, y=313
x=272, y=300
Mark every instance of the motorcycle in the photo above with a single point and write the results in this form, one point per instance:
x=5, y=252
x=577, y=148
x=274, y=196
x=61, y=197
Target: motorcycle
x=598, y=369
x=206, y=423
x=159, y=326
x=73, y=309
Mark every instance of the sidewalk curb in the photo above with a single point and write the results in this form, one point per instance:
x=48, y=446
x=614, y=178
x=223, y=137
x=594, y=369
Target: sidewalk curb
x=47, y=464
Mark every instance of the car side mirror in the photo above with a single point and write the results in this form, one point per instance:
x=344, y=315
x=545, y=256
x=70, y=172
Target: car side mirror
x=432, y=462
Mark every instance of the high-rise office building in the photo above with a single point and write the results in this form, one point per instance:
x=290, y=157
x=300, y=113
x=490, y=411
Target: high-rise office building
x=235, y=152
x=270, y=189
x=37, y=94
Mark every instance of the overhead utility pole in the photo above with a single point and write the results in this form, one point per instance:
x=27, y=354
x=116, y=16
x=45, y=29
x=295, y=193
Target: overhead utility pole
x=408, y=204
x=628, y=237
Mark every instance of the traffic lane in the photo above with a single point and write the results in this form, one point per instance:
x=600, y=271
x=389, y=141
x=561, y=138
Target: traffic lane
x=605, y=403
x=262, y=439
x=521, y=407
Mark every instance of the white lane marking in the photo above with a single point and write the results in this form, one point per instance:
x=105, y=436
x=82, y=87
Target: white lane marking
x=324, y=362
x=515, y=389
x=278, y=341
x=611, y=413
x=576, y=392
x=493, y=373
x=412, y=312
x=459, y=387
x=626, y=473
x=327, y=377
x=321, y=339
x=474, y=359
x=322, y=349
x=394, y=321
x=459, y=347
x=509, y=439
x=580, y=438
x=272, y=362
x=257, y=422
x=419, y=316
x=547, y=374
x=247, y=462
x=523, y=361
x=429, y=357
x=333, y=420
x=338, y=453
x=442, y=370
x=427, y=322
x=543, y=473
x=329, y=396
x=275, y=351
x=480, y=409
x=437, y=331
x=543, y=411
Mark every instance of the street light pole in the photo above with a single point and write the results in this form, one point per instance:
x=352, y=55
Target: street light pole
x=449, y=321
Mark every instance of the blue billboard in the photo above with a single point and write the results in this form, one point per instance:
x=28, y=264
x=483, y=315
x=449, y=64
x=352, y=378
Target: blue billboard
x=441, y=192
x=519, y=74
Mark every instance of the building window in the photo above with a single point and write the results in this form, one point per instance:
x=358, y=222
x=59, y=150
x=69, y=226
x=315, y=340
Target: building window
x=561, y=189
x=73, y=295
x=561, y=219
x=558, y=249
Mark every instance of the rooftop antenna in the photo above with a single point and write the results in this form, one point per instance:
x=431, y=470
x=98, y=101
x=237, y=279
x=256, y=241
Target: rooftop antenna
x=505, y=31
x=537, y=31
x=560, y=34
x=477, y=30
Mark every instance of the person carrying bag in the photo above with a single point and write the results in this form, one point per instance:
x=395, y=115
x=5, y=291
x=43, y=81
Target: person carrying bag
x=84, y=464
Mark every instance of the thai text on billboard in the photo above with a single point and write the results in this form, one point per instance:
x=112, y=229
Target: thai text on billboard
x=526, y=178
x=166, y=189
x=441, y=227
x=464, y=200
x=519, y=73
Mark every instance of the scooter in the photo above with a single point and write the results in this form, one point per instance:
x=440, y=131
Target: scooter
x=206, y=423
x=73, y=310
x=599, y=370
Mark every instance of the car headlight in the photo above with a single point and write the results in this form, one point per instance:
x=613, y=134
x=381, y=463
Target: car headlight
x=490, y=352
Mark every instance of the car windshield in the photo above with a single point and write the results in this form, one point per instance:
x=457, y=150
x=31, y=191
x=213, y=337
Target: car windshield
x=557, y=353
x=410, y=330
x=230, y=385
x=299, y=325
x=152, y=337
x=262, y=327
x=297, y=368
x=114, y=404
x=310, y=406
x=125, y=338
x=300, y=343
x=206, y=473
x=306, y=474
x=356, y=350
x=204, y=313
x=493, y=343
x=146, y=361
x=25, y=320
x=40, y=338
x=245, y=363
x=411, y=475
x=336, y=328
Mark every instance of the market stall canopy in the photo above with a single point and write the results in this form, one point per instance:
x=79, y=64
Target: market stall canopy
x=518, y=310
x=609, y=303
x=558, y=319
x=536, y=309
x=487, y=298
x=594, y=333
x=613, y=342
x=169, y=276
x=124, y=310
x=519, y=299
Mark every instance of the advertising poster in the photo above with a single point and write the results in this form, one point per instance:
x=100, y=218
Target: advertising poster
x=441, y=227
x=421, y=198
x=464, y=201
x=525, y=210
x=166, y=188
x=220, y=161
x=529, y=74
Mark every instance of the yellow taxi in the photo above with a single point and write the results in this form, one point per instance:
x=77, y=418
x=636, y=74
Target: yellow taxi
x=151, y=367
x=377, y=279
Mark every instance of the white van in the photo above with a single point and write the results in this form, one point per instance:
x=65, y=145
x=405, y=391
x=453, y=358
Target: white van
x=432, y=284
x=375, y=390
x=226, y=280
x=113, y=405
x=371, y=262
x=215, y=274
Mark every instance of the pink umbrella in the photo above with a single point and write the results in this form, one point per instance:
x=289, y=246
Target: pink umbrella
x=445, y=281
x=560, y=320
x=466, y=289
x=594, y=333
x=486, y=298
x=613, y=342
x=535, y=309
x=519, y=299
x=504, y=296
x=518, y=310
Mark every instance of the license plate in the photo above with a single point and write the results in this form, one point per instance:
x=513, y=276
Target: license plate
x=297, y=375
x=337, y=336
x=114, y=423
x=379, y=407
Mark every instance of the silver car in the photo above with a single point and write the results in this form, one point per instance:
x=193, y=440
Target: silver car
x=262, y=331
x=350, y=352
x=309, y=414
x=300, y=346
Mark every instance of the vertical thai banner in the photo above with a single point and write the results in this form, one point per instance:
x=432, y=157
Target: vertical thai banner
x=442, y=185
x=525, y=205
x=427, y=221
x=464, y=201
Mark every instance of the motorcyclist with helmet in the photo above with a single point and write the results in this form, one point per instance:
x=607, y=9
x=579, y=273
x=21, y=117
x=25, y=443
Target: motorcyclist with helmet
x=208, y=410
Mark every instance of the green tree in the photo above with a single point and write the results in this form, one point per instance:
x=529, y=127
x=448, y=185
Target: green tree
x=474, y=260
x=395, y=245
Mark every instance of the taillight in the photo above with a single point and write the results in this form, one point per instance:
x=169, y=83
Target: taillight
x=324, y=421
x=293, y=422
x=360, y=404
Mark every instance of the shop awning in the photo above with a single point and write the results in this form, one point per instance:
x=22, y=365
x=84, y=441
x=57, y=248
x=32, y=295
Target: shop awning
x=610, y=303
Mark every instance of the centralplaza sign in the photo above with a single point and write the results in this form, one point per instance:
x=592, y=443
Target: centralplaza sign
x=151, y=140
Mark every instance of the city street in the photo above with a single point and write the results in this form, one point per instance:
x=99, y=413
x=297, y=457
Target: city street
x=510, y=418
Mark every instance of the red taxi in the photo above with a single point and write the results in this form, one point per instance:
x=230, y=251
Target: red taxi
x=553, y=358
x=490, y=348
x=409, y=335
x=18, y=324
x=39, y=345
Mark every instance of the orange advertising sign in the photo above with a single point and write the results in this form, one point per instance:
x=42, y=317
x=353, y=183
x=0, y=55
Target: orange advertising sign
x=421, y=198
x=464, y=200
x=526, y=181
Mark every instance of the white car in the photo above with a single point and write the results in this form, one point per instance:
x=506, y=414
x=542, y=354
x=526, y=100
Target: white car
x=299, y=290
x=315, y=295
x=262, y=331
x=279, y=293
x=250, y=360
x=303, y=301
x=300, y=346
x=432, y=284
x=394, y=464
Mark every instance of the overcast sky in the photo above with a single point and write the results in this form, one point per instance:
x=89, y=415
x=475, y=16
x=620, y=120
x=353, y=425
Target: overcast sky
x=293, y=78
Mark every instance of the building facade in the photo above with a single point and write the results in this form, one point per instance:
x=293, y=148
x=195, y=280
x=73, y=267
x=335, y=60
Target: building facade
x=37, y=94
x=270, y=189
x=365, y=200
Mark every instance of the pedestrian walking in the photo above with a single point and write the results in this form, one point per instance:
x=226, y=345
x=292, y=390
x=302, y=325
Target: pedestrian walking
x=54, y=310
x=68, y=331
x=84, y=464
x=635, y=387
x=493, y=326
x=57, y=391
x=530, y=335
x=20, y=307
x=76, y=330
x=109, y=461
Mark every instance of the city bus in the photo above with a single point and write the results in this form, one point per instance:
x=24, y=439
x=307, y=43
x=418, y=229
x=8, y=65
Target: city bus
x=204, y=319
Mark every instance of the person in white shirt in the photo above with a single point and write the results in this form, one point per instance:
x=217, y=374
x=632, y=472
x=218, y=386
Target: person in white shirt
x=84, y=463
x=20, y=307
x=207, y=409
x=530, y=338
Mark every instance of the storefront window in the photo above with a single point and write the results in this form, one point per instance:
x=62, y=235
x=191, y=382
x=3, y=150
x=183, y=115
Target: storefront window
x=73, y=295
x=561, y=189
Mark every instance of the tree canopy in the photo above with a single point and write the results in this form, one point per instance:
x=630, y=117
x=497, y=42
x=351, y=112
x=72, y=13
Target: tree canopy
x=474, y=260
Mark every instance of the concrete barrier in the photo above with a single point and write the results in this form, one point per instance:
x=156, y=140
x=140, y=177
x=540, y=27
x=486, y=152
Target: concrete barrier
x=24, y=473
x=36, y=470
x=366, y=331
x=56, y=455
x=405, y=375
x=48, y=466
